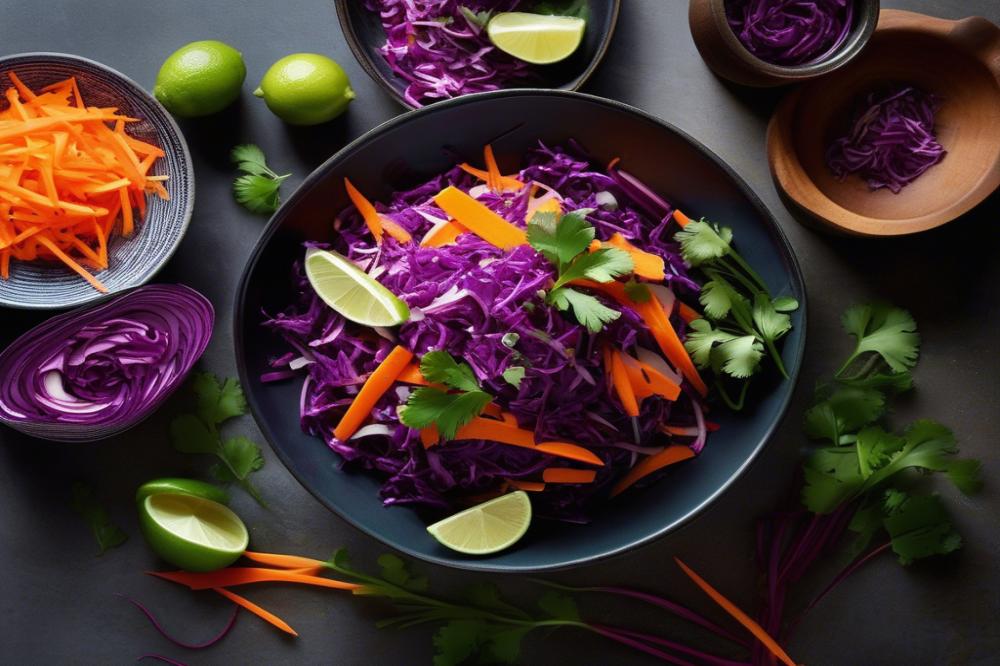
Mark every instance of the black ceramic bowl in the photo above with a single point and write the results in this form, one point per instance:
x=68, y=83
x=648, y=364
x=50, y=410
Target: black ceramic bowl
x=411, y=148
x=365, y=36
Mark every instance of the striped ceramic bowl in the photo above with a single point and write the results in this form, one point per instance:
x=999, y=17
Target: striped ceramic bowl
x=134, y=260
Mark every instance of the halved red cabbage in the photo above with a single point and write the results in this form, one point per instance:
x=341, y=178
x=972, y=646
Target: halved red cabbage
x=791, y=32
x=95, y=372
x=441, y=52
x=892, y=140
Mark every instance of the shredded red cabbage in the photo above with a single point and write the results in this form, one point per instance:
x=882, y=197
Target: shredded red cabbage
x=441, y=52
x=483, y=305
x=892, y=140
x=92, y=373
x=791, y=32
x=176, y=641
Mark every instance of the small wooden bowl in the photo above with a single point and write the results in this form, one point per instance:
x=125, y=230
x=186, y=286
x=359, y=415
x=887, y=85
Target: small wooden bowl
x=959, y=61
x=723, y=52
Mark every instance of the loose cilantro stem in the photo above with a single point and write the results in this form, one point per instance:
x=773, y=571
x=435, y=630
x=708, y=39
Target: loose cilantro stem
x=735, y=405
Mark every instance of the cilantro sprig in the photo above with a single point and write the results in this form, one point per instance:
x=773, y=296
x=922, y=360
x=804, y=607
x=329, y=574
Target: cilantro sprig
x=448, y=410
x=564, y=241
x=743, y=321
x=84, y=501
x=258, y=189
x=198, y=432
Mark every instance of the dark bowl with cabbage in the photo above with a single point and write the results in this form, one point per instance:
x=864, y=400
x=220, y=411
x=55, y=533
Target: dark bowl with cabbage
x=367, y=36
x=408, y=150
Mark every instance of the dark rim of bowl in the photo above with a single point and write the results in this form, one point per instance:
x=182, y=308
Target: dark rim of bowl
x=364, y=58
x=852, y=46
x=55, y=56
x=321, y=172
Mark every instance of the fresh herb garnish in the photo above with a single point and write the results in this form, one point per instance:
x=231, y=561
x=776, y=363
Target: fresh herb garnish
x=199, y=432
x=258, y=189
x=564, y=241
x=106, y=533
x=742, y=319
x=448, y=410
x=478, y=20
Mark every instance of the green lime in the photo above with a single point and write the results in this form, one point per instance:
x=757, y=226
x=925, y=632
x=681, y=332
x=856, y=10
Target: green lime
x=352, y=292
x=193, y=533
x=488, y=527
x=536, y=38
x=180, y=486
x=306, y=89
x=200, y=78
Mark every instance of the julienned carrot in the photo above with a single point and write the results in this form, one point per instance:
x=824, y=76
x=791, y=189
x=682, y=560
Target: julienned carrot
x=527, y=486
x=687, y=313
x=645, y=264
x=479, y=219
x=492, y=169
x=265, y=615
x=739, y=615
x=507, y=182
x=411, y=375
x=623, y=387
x=380, y=381
x=283, y=561
x=668, y=456
x=568, y=475
x=681, y=219
x=67, y=177
x=376, y=223
x=506, y=433
x=248, y=575
x=647, y=380
x=443, y=234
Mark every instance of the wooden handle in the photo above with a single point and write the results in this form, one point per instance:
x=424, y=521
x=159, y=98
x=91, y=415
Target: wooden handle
x=980, y=37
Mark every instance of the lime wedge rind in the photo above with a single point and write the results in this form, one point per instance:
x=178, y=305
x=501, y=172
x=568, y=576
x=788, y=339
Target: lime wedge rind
x=486, y=528
x=352, y=292
x=536, y=38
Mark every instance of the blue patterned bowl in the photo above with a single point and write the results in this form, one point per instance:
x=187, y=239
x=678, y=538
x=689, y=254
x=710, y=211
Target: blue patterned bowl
x=134, y=260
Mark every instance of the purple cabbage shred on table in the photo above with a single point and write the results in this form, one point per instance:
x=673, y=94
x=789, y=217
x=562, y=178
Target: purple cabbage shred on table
x=892, y=140
x=791, y=32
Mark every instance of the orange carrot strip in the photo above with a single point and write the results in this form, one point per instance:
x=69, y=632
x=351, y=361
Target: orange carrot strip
x=396, y=231
x=248, y=575
x=666, y=457
x=479, y=219
x=377, y=383
x=646, y=264
x=506, y=182
x=65, y=258
x=568, y=475
x=127, y=223
x=267, y=616
x=647, y=380
x=493, y=410
x=686, y=312
x=23, y=90
x=492, y=169
x=283, y=561
x=681, y=219
x=739, y=615
x=443, y=234
x=570, y=452
x=669, y=342
x=505, y=433
x=411, y=375
x=527, y=486
x=623, y=387
x=367, y=210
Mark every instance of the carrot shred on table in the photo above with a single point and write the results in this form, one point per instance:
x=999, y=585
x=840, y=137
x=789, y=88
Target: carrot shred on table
x=263, y=614
x=283, y=561
x=655, y=462
x=248, y=575
x=734, y=610
x=479, y=219
x=67, y=177
x=381, y=379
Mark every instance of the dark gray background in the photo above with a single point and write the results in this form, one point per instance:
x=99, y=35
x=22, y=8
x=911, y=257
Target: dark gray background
x=57, y=599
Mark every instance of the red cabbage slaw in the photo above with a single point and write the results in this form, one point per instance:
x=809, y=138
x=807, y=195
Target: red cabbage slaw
x=482, y=305
x=441, y=52
x=891, y=142
x=791, y=32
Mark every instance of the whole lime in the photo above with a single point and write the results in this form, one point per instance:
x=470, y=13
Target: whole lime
x=200, y=78
x=306, y=89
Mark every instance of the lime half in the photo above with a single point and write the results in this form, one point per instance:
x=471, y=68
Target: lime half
x=536, y=38
x=193, y=533
x=180, y=486
x=352, y=292
x=488, y=527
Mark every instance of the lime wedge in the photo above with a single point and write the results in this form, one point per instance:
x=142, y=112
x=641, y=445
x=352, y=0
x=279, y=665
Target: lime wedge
x=193, y=533
x=486, y=528
x=179, y=486
x=536, y=38
x=352, y=292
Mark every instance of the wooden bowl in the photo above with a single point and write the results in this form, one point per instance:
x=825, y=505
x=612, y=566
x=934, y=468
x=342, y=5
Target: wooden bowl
x=959, y=61
x=725, y=55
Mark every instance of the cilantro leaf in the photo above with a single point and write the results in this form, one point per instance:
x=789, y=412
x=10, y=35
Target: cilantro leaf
x=844, y=409
x=513, y=375
x=218, y=402
x=875, y=448
x=717, y=297
x=559, y=240
x=700, y=340
x=448, y=411
x=476, y=19
x=785, y=304
x=919, y=527
x=887, y=382
x=604, y=265
x=396, y=571
x=702, y=241
x=439, y=367
x=739, y=356
x=770, y=323
x=965, y=474
x=885, y=330
x=242, y=456
x=84, y=501
x=257, y=190
x=587, y=309
x=250, y=159
x=928, y=445
x=458, y=640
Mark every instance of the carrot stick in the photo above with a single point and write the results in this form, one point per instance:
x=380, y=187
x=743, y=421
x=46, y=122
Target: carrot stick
x=443, y=234
x=22, y=90
x=645, y=264
x=248, y=575
x=568, y=475
x=367, y=210
x=283, y=561
x=505, y=433
x=666, y=457
x=267, y=616
x=623, y=387
x=681, y=219
x=479, y=219
x=687, y=313
x=65, y=258
x=669, y=342
x=527, y=486
x=377, y=383
x=506, y=182
x=411, y=375
x=739, y=615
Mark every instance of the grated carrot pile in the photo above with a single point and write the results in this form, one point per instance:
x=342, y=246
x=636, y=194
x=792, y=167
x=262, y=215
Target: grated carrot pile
x=68, y=174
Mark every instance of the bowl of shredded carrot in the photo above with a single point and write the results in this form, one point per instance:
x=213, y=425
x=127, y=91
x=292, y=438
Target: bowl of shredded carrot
x=96, y=183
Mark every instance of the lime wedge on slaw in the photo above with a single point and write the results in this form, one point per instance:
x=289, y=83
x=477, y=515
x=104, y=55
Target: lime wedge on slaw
x=536, y=38
x=193, y=533
x=486, y=528
x=352, y=292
